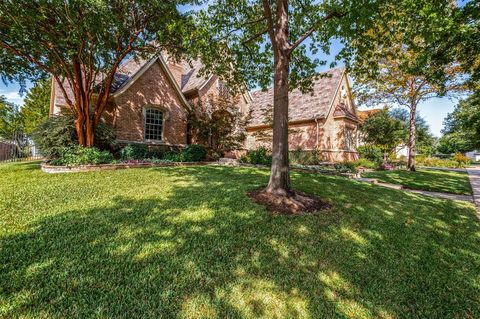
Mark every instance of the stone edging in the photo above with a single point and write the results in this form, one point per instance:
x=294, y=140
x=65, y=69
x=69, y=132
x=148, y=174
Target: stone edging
x=53, y=169
x=308, y=169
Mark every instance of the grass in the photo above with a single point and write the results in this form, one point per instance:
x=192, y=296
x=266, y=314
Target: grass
x=186, y=242
x=455, y=182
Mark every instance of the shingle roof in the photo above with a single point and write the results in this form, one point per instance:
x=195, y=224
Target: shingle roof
x=363, y=115
x=342, y=110
x=301, y=106
x=190, y=77
x=126, y=71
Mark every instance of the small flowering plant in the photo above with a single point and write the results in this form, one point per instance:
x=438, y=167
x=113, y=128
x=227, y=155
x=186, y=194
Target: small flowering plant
x=387, y=167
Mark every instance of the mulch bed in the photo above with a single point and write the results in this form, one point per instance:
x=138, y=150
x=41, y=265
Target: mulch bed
x=297, y=203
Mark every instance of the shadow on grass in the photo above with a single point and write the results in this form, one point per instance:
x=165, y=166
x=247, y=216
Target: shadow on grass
x=429, y=180
x=204, y=250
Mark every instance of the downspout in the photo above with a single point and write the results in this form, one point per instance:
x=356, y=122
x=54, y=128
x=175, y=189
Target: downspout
x=316, y=144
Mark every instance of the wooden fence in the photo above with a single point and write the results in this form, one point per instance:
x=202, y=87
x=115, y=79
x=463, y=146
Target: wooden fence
x=14, y=151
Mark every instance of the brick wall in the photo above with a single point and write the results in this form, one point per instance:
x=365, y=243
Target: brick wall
x=152, y=89
x=331, y=134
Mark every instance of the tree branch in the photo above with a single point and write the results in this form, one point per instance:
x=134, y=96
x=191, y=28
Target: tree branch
x=312, y=29
x=271, y=28
x=254, y=36
x=243, y=25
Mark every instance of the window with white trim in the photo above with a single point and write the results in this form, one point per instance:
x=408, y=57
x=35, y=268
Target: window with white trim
x=153, y=124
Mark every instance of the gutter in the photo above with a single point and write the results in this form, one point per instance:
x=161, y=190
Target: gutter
x=316, y=123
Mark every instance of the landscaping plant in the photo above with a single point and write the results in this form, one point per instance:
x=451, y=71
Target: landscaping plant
x=193, y=153
x=58, y=132
x=260, y=156
x=79, y=155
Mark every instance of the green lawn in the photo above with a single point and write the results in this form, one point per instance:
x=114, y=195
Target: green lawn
x=185, y=242
x=454, y=182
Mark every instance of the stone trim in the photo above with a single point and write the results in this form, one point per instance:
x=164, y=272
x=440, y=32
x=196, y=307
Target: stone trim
x=53, y=169
x=298, y=122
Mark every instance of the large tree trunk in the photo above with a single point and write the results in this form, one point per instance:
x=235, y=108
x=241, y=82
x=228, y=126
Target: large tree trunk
x=80, y=129
x=279, y=175
x=412, y=148
x=90, y=133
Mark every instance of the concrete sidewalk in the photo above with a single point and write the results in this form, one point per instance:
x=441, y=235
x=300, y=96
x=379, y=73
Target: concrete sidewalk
x=427, y=193
x=474, y=176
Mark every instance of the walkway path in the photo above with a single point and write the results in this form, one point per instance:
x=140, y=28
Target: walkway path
x=474, y=176
x=427, y=193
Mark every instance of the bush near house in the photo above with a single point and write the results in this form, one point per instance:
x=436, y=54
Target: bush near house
x=79, y=155
x=371, y=153
x=141, y=152
x=365, y=163
x=193, y=153
x=346, y=167
x=260, y=156
x=134, y=152
x=58, y=132
x=302, y=157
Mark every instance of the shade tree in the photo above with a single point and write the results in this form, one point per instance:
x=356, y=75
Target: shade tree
x=277, y=42
x=82, y=43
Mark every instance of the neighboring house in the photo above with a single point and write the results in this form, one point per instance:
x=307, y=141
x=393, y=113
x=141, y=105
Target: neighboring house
x=325, y=120
x=473, y=155
x=150, y=101
x=365, y=114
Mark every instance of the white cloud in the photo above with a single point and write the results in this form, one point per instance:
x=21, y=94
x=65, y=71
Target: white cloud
x=12, y=96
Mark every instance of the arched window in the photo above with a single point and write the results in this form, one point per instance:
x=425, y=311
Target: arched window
x=153, y=124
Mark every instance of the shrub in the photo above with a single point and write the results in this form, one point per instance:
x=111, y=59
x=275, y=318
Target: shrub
x=193, y=153
x=78, y=155
x=461, y=160
x=54, y=135
x=386, y=167
x=365, y=163
x=260, y=156
x=345, y=167
x=172, y=157
x=458, y=161
x=134, y=152
x=58, y=132
x=372, y=153
x=301, y=157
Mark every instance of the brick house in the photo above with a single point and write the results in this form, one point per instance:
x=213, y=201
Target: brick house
x=150, y=100
x=325, y=120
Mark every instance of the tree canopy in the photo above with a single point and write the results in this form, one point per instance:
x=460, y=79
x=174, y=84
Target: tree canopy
x=81, y=44
x=11, y=123
x=383, y=130
x=36, y=105
x=461, y=131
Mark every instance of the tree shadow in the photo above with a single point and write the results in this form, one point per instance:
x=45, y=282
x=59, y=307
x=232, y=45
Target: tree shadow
x=204, y=250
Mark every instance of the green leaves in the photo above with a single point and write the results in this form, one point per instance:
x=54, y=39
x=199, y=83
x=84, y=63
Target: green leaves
x=46, y=36
x=384, y=131
x=37, y=104
x=462, y=127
